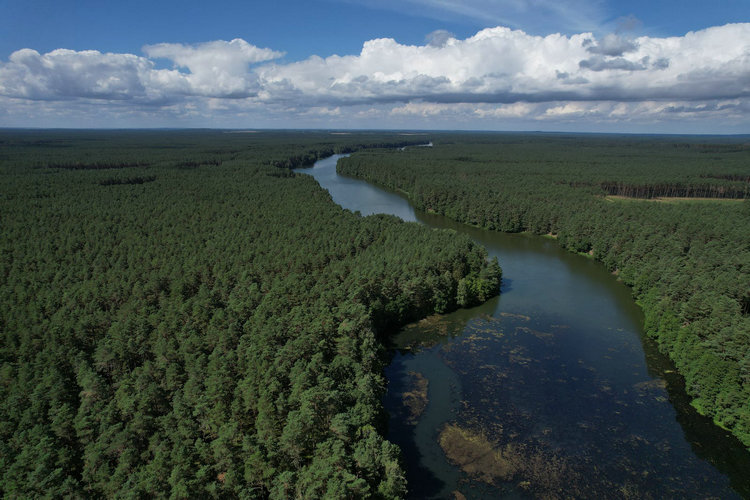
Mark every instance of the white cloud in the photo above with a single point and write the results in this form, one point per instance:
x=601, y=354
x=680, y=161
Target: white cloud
x=497, y=74
x=63, y=74
x=611, y=45
x=515, y=110
x=322, y=111
x=428, y=109
x=503, y=65
x=439, y=38
x=216, y=68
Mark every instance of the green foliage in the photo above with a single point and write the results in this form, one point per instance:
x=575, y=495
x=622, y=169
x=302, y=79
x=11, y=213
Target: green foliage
x=688, y=261
x=210, y=333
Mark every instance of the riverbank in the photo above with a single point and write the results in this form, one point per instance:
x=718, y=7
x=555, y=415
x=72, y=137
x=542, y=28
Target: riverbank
x=687, y=263
x=541, y=282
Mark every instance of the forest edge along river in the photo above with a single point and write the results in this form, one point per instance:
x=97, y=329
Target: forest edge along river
x=550, y=389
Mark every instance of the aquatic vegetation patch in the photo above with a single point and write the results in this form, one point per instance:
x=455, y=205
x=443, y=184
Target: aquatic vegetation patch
x=429, y=332
x=538, y=471
x=659, y=385
x=515, y=316
x=477, y=455
x=415, y=397
x=546, y=336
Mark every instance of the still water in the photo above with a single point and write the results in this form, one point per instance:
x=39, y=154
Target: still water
x=550, y=390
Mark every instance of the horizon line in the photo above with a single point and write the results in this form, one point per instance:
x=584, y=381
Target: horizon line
x=363, y=130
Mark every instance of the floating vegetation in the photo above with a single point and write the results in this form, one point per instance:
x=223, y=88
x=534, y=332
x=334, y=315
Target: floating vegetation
x=429, y=332
x=415, y=397
x=544, y=413
x=489, y=367
x=476, y=455
x=561, y=327
x=511, y=445
x=538, y=471
x=516, y=316
x=536, y=333
x=472, y=338
x=516, y=356
x=437, y=323
x=651, y=385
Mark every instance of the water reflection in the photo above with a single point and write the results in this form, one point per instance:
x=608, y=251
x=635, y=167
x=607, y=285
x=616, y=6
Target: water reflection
x=356, y=195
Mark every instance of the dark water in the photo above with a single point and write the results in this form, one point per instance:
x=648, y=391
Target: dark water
x=555, y=375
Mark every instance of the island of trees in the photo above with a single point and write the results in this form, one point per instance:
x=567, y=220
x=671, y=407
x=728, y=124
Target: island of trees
x=669, y=216
x=183, y=316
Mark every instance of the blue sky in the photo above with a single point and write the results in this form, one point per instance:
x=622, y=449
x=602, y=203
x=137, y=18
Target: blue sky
x=584, y=65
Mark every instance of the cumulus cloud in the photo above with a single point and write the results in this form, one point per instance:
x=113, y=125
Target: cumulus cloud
x=426, y=109
x=504, y=65
x=63, y=74
x=611, y=45
x=216, y=68
x=499, y=72
x=599, y=63
x=515, y=110
x=439, y=38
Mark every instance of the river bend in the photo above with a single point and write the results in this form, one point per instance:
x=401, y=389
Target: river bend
x=554, y=377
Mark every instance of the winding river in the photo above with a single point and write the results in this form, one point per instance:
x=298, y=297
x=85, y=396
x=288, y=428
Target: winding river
x=549, y=390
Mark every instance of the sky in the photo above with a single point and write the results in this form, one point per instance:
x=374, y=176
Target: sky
x=554, y=65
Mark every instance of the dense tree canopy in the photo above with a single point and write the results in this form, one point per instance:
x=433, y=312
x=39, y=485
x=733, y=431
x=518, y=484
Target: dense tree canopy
x=687, y=259
x=181, y=317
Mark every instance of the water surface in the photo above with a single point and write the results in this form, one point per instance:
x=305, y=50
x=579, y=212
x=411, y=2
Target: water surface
x=555, y=374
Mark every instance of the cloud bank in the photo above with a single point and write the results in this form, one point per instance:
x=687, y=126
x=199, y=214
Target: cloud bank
x=497, y=74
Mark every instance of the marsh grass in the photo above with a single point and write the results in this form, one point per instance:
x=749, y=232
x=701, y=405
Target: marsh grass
x=415, y=397
x=538, y=471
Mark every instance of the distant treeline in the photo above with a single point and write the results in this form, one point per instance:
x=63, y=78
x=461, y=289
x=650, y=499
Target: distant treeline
x=688, y=262
x=195, y=164
x=729, y=177
x=113, y=181
x=216, y=334
x=96, y=165
x=309, y=158
x=676, y=190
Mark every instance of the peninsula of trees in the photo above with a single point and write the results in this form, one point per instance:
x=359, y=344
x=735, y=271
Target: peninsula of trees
x=183, y=316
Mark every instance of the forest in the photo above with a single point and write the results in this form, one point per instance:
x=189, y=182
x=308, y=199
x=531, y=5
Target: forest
x=668, y=215
x=183, y=316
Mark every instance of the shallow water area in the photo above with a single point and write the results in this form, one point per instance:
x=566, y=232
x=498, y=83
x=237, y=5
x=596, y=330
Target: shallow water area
x=549, y=390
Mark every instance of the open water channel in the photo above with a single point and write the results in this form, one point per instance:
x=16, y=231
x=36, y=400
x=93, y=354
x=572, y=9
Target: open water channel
x=549, y=390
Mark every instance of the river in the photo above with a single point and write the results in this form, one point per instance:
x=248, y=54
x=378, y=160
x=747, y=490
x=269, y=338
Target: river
x=549, y=390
